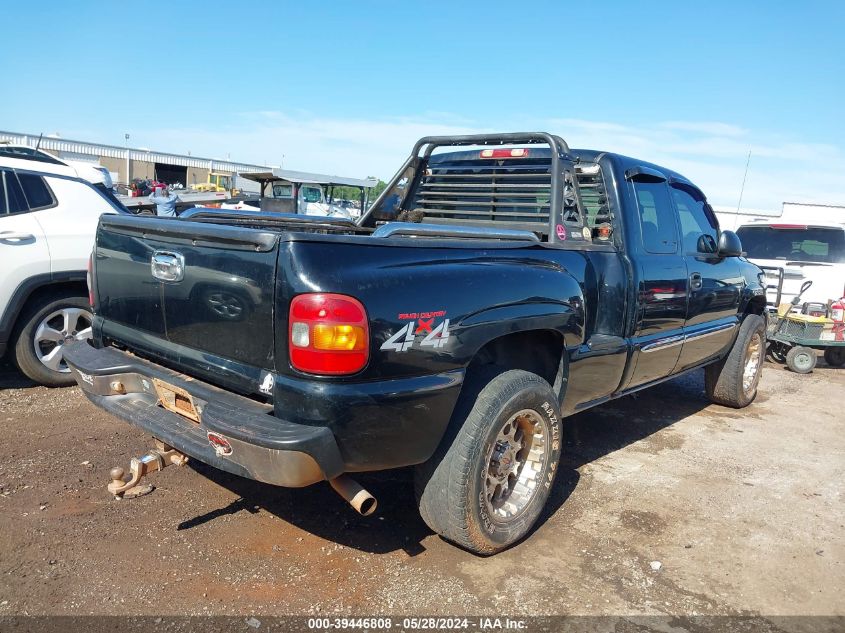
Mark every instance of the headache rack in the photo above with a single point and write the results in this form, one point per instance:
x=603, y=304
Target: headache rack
x=498, y=190
x=513, y=189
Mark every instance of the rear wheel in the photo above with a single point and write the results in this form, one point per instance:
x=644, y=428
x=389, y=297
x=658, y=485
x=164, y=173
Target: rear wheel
x=733, y=381
x=46, y=327
x=488, y=482
x=835, y=356
x=801, y=360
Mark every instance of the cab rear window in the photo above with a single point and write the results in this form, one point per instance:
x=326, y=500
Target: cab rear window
x=801, y=244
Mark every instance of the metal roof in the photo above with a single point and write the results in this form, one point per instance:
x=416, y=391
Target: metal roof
x=115, y=151
x=289, y=175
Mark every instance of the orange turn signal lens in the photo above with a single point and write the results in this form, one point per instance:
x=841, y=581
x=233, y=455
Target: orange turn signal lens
x=339, y=337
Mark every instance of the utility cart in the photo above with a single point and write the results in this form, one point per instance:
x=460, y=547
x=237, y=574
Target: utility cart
x=794, y=337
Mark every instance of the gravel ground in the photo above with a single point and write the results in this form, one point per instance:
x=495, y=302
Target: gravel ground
x=663, y=505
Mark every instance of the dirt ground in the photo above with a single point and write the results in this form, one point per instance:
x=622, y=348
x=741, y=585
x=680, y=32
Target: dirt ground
x=663, y=505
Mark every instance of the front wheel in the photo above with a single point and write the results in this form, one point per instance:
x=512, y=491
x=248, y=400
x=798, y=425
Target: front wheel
x=488, y=481
x=733, y=381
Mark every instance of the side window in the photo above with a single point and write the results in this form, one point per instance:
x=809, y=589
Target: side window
x=699, y=230
x=657, y=216
x=14, y=194
x=36, y=191
x=283, y=191
x=312, y=194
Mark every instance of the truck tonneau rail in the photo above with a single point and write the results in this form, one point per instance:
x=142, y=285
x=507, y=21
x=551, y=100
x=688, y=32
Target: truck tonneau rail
x=413, y=229
x=270, y=219
x=231, y=236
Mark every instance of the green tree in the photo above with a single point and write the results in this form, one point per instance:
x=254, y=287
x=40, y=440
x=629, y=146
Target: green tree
x=353, y=193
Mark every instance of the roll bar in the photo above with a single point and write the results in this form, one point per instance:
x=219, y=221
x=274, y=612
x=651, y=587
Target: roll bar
x=508, y=138
x=560, y=149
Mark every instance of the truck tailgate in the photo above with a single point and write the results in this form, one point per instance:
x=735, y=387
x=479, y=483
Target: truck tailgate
x=217, y=311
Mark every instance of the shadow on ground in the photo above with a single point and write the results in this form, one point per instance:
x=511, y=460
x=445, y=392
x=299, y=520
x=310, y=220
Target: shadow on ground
x=11, y=378
x=397, y=525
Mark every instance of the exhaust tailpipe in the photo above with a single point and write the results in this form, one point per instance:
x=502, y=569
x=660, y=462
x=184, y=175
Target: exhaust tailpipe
x=355, y=495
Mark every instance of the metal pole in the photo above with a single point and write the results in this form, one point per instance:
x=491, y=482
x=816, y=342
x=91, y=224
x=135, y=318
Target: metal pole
x=126, y=144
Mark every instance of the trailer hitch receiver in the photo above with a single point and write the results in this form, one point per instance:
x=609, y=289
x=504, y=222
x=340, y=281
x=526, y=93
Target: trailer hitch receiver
x=158, y=458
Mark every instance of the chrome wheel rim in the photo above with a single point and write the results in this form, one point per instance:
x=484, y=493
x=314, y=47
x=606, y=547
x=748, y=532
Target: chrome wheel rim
x=751, y=369
x=55, y=331
x=515, y=464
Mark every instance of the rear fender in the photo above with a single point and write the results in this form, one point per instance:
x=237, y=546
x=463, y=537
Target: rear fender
x=567, y=319
x=431, y=309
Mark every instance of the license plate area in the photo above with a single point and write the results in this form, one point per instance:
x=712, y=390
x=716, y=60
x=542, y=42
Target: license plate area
x=177, y=400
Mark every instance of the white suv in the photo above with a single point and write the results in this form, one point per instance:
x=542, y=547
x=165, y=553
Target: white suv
x=48, y=217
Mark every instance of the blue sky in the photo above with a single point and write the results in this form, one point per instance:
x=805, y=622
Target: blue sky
x=347, y=87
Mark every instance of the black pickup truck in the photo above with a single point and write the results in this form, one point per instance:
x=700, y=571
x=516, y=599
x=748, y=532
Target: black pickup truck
x=490, y=291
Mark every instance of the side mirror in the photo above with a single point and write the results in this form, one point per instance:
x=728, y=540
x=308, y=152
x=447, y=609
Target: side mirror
x=729, y=244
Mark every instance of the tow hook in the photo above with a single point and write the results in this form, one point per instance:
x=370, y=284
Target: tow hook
x=157, y=459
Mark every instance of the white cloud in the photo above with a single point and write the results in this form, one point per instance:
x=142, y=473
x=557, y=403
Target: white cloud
x=712, y=154
x=714, y=128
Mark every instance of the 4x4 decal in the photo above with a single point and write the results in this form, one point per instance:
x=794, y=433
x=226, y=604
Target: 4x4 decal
x=422, y=330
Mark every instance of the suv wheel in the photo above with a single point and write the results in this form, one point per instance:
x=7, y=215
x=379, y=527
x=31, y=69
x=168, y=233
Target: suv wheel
x=487, y=483
x=733, y=381
x=46, y=327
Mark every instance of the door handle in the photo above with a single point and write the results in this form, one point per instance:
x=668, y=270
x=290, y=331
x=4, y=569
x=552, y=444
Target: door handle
x=12, y=235
x=695, y=281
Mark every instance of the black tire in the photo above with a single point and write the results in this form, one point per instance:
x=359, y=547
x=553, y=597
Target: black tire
x=834, y=356
x=24, y=350
x=724, y=380
x=801, y=360
x=778, y=352
x=452, y=487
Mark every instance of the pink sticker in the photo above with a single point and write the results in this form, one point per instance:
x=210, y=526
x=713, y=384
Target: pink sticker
x=561, y=232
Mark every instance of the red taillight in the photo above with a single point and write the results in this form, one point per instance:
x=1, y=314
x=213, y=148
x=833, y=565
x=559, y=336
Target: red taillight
x=89, y=279
x=803, y=227
x=519, y=152
x=328, y=334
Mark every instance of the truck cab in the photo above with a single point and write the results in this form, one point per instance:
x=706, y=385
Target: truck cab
x=793, y=253
x=288, y=191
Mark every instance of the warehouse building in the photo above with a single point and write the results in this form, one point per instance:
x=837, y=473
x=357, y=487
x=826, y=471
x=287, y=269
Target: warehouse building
x=126, y=163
